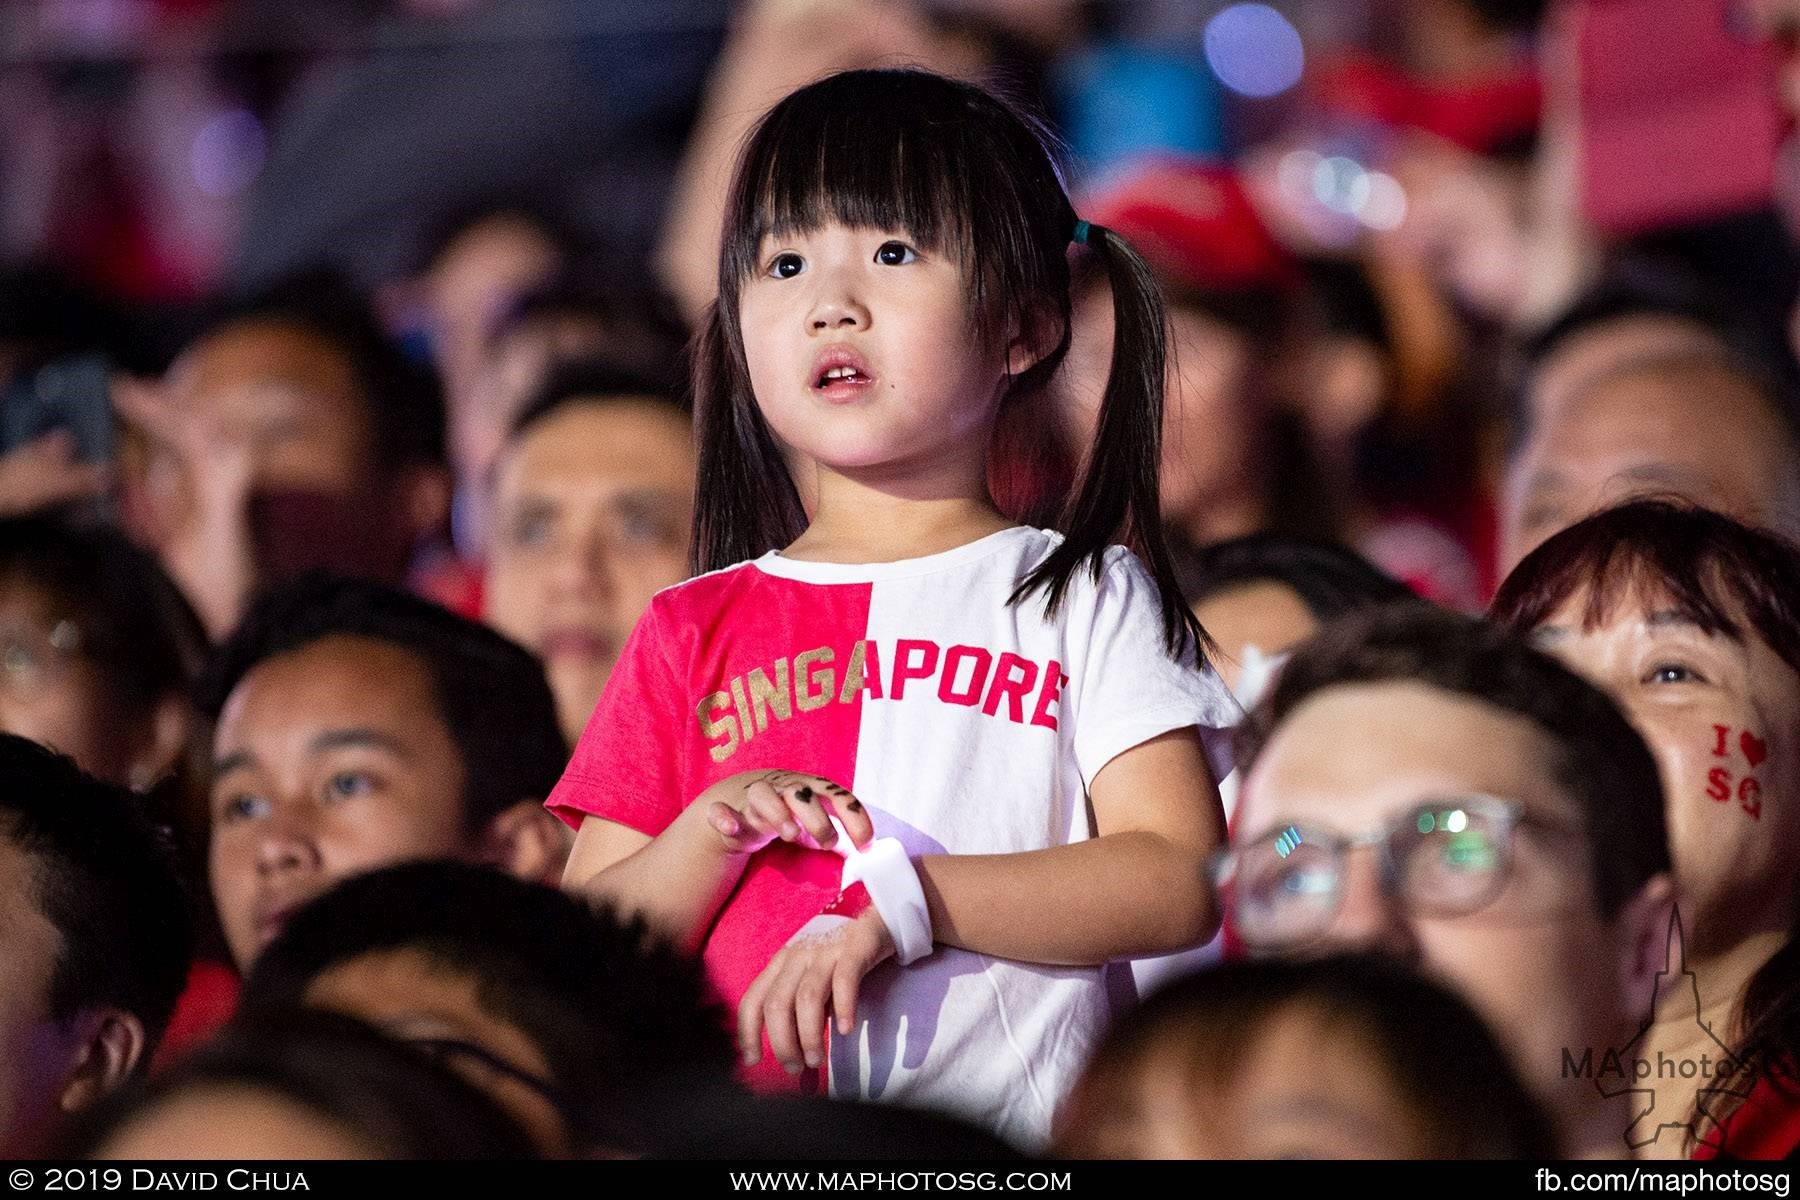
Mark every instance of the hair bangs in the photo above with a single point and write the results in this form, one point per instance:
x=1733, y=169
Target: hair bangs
x=885, y=150
x=1702, y=566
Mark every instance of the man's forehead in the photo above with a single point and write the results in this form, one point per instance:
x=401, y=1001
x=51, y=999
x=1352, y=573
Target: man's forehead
x=343, y=671
x=1364, y=750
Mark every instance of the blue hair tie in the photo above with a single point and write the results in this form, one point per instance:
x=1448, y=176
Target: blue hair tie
x=1081, y=233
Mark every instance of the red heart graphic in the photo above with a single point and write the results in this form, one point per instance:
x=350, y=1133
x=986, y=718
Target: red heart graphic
x=1755, y=749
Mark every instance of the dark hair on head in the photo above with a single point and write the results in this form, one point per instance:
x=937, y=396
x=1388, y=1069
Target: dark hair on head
x=492, y=695
x=544, y=215
x=1655, y=288
x=1511, y=16
x=641, y=327
x=47, y=313
x=1597, y=756
x=134, y=623
x=1724, y=576
x=404, y=399
x=963, y=173
x=1340, y=296
x=1438, y=1057
x=105, y=878
x=1642, y=287
x=1329, y=579
x=378, y=1090
x=605, y=1004
x=592, y=381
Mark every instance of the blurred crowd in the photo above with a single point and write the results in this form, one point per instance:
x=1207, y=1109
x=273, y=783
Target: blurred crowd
x=345, y=435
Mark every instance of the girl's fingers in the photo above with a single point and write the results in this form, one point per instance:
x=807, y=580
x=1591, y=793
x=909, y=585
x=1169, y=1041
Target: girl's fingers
x=778, y=1018
x=846, y=981
x=805, y=801
x=850, y=811
x=750, y=1012
x=730, y=825
x=769, y=811
x=811, y=992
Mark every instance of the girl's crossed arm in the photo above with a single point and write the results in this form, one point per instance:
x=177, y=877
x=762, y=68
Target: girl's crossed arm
x=1137, y=889
x=679, y=879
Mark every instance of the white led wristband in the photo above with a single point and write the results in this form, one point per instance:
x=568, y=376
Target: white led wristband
x=886, y=871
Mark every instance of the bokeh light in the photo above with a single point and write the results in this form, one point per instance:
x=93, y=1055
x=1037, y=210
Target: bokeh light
x=228, y=152
x=1254, y=50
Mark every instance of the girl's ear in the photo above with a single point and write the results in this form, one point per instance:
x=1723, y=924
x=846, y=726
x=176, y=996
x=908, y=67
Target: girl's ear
x=1030, y=345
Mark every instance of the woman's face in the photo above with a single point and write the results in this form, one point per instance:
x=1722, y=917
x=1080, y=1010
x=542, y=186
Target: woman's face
x=1305, y=1088
x=52, y=693
x=1722, y=715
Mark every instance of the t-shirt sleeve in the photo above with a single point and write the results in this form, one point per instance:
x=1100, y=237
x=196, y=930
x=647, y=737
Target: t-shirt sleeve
x=627, y=767
x=1131, y=690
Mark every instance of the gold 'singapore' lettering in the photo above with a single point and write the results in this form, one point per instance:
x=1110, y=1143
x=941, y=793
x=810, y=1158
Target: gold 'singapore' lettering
x=1005, y=687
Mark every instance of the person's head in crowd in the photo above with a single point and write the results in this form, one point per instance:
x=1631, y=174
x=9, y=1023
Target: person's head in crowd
x=294, y=426
x=302, y=1084
x=94, y=942
x=1225, y=283
x=478, y=263
x=1691, y=621
x=1428, y=785
x=1340, y=367
x=556, y=1009
x=566, y=322
x=1624, y=399
x=1348, y=1056
x=1260, y=595
x=594, y=499
x=357, y=726
x=1643, y=309
x=98, y=650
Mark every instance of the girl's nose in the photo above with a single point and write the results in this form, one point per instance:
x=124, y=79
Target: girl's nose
x=837, y=308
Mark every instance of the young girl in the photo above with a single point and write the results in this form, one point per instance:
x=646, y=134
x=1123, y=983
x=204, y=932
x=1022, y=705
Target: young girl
x=1005, y=721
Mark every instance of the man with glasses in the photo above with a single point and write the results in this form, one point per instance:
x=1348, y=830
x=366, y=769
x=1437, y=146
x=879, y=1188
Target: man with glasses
x=564, y=1014
x=1419, y=782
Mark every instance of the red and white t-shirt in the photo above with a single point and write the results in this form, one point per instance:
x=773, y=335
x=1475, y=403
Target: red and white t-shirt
x=964, y=724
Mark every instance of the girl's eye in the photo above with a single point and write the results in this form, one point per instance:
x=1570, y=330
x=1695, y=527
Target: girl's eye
x=786, y=265
x=895, y=254
x=1673, y=673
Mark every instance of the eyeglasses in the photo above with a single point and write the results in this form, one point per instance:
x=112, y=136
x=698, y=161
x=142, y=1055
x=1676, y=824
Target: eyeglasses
x=31, y=657
x=1447, y=856
x=454, y=1051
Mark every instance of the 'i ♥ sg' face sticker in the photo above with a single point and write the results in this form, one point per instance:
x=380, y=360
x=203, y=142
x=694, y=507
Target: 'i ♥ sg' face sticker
x=1745, y=752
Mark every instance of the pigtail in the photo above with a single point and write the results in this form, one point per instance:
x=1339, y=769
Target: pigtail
x=1118, y=491
x=744, y=499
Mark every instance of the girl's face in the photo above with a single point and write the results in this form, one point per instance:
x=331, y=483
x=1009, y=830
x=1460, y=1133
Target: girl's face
x=1723, y=718
x=864, y=357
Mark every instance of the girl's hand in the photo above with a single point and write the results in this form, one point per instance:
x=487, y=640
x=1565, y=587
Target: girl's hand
x=815, y=974
x=750, y=810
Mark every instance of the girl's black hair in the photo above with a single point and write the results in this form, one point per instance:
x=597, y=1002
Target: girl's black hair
x=962, y=172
